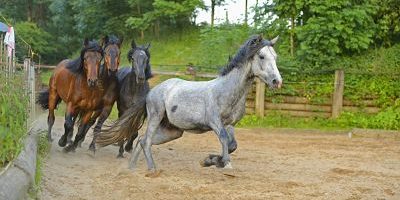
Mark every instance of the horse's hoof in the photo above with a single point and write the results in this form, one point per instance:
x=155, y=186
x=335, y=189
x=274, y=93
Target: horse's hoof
x=92, y=147
x=228, y=166
x=206, y=162
x=80, y=144
x=49, y=139
x=153, y=173
x=69, y=148
x=120, y=156
x=128, y=148
x=62, y=141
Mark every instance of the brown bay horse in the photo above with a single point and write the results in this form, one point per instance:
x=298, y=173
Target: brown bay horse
x=82, y=85
x=109, y=79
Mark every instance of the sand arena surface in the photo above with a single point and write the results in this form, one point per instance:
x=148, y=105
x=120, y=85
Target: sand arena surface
x=268, y=164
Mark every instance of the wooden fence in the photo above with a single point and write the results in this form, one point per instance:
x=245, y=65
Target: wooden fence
x=10, y=67
x=257, y=103
x=298, y=106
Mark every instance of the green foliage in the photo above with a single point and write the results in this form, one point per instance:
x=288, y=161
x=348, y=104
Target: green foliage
x=218, y=43
x=13, y=117
x=335, y=28
x=388, y=20
x=172, y=12
x=36, y=37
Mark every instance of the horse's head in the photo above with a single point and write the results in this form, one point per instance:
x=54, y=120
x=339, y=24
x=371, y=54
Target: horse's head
x=91, y=56
x=112, y=53
x=264, y=61
x=140, y=59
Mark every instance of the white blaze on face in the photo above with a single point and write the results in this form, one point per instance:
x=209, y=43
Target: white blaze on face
x=264, y=67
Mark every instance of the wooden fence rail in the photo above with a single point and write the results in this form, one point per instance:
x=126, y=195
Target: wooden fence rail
x=259, y=105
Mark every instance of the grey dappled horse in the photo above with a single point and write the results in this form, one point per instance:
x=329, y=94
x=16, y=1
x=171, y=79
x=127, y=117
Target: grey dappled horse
x=177, y=105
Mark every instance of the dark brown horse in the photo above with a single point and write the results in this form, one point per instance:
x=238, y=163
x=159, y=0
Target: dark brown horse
x=108, y=78
x=82, y=85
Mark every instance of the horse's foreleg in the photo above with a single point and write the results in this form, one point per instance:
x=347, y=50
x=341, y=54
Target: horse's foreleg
x=81, y=131
x=232, y=144
x=102, y=118
x=223, y=137
x=68, y=124
x=91, y=122
x=71, y=131
x=213, y=159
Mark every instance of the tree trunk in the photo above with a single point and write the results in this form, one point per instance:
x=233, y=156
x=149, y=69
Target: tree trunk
x=139, y=13
x=29, y=11
x=212, y=12
x=245, y=13
x=292, y=36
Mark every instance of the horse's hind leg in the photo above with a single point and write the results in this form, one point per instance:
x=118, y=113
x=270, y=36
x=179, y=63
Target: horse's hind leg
x=164, y=134
x=129, y=144
x=53, y=99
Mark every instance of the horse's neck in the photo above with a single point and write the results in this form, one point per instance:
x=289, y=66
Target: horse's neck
x=236, y=83
x=106, y=80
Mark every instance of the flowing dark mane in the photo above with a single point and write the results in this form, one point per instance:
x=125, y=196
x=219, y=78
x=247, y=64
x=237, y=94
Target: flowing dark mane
x=76, y=66
x=245, y=52
x=147, y=71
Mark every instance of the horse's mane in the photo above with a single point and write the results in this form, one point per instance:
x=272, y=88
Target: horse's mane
x=147, y=71
x=245, y=52
x=76, y=66
x=112, y=39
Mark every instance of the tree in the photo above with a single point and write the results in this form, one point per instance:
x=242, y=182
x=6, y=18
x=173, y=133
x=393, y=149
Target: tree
x=36, y=37
x=213, y=4
x=388, y=20
x=336, y=27
x=175, y=14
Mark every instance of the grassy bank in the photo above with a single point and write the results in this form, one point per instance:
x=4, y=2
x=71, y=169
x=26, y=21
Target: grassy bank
x=13, y=117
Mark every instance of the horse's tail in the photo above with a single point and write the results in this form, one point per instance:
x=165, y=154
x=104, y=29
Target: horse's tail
x=125, y=126
x=43, y=99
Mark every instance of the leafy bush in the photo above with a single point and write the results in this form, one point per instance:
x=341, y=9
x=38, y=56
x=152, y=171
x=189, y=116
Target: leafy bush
x=13, y=117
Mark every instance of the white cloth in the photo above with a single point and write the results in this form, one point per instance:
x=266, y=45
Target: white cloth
x=9, y=40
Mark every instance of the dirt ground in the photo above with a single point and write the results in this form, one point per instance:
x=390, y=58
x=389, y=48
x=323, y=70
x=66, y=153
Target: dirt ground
x=268, y=164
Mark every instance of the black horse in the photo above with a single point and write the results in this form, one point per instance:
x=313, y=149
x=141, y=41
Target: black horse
x=133, y=86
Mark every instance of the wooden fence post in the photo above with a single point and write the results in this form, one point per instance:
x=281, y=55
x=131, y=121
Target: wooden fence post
x=337, y=98
x=260, y=98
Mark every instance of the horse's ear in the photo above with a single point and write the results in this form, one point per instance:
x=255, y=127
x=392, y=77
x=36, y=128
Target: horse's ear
x=273, y=41
x=256, y=40
x=86, y=42
x=133, y=44
x=148, y=46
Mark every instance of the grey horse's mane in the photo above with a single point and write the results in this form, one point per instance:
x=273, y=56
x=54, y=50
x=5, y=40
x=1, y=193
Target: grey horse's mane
x=246, y=52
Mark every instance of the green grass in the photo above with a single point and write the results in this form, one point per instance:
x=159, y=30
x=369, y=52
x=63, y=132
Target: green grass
x=42, y=152
x=13, y=117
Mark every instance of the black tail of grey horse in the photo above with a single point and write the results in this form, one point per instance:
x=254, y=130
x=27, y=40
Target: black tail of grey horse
x=126, y=126
x=176, y=105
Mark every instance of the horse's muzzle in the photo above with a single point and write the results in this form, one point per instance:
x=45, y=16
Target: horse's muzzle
x=277, y=83
x=92, y=83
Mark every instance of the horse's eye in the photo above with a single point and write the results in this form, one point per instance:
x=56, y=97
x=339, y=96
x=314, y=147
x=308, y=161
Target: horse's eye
x=261, y=57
